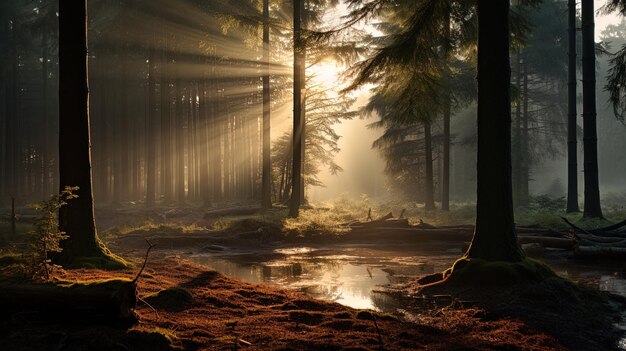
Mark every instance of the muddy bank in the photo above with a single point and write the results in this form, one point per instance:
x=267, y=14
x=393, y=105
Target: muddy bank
x=203, y=310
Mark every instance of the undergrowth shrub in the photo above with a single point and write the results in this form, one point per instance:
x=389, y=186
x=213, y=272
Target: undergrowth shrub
x=46, y=232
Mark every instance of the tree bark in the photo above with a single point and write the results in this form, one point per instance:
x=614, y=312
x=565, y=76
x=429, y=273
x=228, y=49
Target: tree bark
x=447, y=101
x=298, y=66
x=429, y=193
x=122, y=171
x=45, y=179
x=166, y=151
x=517, y=133
x=216, y=138
x=4, y=36
x=525, y=156
x=572, y=152
x=11, y=99
x=266, y=190
x=592, y=208
x=180, y=143
x=76, y=218
x=101, y=141
x=304, y=26
x=445, y=181
x=151, y=130
x=205, y=151
x=494, y=237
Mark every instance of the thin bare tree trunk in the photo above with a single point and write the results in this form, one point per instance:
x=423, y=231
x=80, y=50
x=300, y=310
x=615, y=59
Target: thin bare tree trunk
x=266, y=191
x=572, y=149
x=298, y=66
x=151, y=130
x=592, y=207
x=429, y=200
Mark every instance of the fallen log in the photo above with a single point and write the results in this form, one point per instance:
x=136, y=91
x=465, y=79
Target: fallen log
x=594, y=251
x=414, y=234
x=585, y=242
x=534, y=231
x=611, y=227
x=108, y=301
x=409, y=234
x=600, y=239
x=574, y=226
x=547, y=242
x=236, y=211
x=423, y=225
x=594, y=232
x=388, y=223
x=458, y=226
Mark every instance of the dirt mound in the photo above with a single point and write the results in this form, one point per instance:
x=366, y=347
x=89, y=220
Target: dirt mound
x=580, y=317
x=172, y=299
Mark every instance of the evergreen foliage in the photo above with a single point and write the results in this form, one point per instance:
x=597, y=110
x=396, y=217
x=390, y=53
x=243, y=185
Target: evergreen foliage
x=46, y=232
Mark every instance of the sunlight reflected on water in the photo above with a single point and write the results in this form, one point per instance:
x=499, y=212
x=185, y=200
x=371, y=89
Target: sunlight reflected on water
x=348, y=276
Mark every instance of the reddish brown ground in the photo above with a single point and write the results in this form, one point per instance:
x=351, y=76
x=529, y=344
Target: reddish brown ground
x=227, y=314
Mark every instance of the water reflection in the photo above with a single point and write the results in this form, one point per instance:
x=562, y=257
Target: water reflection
x=350, y=276
x=613, y=284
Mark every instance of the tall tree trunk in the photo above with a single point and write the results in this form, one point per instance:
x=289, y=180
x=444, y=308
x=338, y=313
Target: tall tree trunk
x=447, y=101
x=305, y=26
x=525, y=158
x=592, y=207
x=215, y=143
x=11, y=95
x=228, y=138
x=16, y=148
x=45, y=189
x=151, y=130
x=445, y=186
x=103, y=146
x=4, y=113
x=204, y=150
x=266, y=190
x=572, y=152
x=76, y=218
x=517, y=132
x=494, y=236
x=429, y=192
x=191, y=135
x=180, y=143
x=166, y=150
x=122, y=173
x=298, y=66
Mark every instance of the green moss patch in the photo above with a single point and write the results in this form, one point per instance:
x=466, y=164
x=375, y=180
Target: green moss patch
x=108, y=261
x=580, y=317
x=475, y=272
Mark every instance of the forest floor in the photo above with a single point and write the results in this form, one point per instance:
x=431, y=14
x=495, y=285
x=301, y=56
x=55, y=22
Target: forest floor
x=208, y=311
x=201, y=309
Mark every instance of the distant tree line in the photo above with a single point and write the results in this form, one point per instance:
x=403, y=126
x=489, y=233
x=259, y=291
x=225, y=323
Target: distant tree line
x=177, y=101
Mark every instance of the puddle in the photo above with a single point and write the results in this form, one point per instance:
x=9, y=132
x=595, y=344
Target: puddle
x=348, y=276
x=351, y=275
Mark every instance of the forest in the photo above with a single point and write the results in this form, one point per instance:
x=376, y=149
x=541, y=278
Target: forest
x=312, y=175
